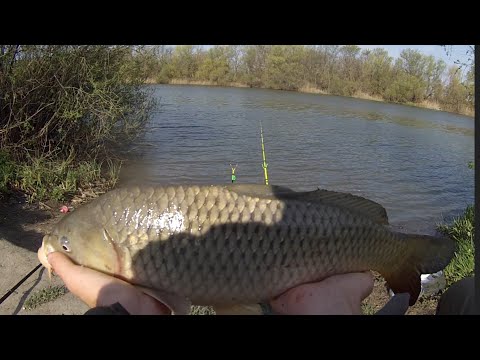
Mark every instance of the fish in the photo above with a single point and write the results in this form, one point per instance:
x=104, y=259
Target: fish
x=240, y=245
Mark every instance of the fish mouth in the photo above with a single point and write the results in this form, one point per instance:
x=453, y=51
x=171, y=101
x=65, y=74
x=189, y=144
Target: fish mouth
x=47, y=246
x=47, y=249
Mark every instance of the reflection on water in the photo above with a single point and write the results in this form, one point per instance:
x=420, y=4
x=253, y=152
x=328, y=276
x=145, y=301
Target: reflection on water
x=413, y=161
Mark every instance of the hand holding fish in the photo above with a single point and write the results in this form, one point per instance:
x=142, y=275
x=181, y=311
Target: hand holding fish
x=233, y=247
x=336, y=295
x=340, y=294
x=98, y=289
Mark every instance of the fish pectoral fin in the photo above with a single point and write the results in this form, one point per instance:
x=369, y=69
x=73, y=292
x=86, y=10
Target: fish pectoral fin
x=240, y=309
x=354, y=203
x=176, y=303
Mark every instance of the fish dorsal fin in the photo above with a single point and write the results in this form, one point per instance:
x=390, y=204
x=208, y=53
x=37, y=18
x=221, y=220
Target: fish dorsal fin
x=260, y=190
x=353, y=203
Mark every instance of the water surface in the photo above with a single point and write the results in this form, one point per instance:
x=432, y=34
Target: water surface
x=413, y=161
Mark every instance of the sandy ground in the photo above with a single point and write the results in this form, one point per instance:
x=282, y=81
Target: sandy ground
x=22, y=227
x=21, y=230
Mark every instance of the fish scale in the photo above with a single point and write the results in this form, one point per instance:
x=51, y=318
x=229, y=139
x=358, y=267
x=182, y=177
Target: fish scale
x=225, y=245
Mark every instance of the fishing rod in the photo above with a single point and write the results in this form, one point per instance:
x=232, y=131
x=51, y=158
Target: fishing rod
x=10, y=292
x=264, y=165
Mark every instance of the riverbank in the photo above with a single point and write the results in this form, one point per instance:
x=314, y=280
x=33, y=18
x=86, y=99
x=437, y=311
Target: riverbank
x=425, y=104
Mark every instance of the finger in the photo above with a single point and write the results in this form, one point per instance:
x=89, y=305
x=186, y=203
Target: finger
x=61, y=263
x=336, y=294
x=95, y=288
x=83, y=282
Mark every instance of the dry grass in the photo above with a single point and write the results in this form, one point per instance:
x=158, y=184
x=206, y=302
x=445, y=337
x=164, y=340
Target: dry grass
x=205, y=83
x=150, y=81
x=428, y=104
x=365, y=96
x=433, y=105
x=467, y=111
x=310, y=89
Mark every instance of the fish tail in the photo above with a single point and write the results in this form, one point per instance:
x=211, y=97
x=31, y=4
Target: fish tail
x=425, y=255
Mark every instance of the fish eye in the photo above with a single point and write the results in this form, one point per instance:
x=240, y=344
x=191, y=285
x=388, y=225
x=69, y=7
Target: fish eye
x=65, y=243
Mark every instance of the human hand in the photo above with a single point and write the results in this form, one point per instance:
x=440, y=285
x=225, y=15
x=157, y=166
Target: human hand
x=336, y=295
x=339, y=294
x=98, y=289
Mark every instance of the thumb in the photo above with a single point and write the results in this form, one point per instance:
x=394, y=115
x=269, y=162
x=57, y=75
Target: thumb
x=64, y=267
x=59, y=261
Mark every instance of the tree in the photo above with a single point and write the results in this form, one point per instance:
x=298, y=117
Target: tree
x=413, y=63
x=350, y=64
x=215, y=66
x=434, y=71
x=377, y=71
x=235, y=55
x=405, y=88
x=329, y=55
x=455, y=91
x=253, y=64
x=185, y=61
x=284, y=67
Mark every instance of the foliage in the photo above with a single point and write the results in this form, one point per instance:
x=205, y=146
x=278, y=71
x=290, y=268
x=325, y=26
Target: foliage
x=63, y=109
x=59, y=100
x=338, y=70
x=462, y=231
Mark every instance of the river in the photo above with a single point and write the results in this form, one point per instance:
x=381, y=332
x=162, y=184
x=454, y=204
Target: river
x=411, y=160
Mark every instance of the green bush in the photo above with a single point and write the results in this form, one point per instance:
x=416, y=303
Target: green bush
x=64, y=110
x=462, y=231
x=405, y=88
x=56, y=100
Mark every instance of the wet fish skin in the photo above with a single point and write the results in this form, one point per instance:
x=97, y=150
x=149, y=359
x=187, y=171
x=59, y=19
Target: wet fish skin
x=241, y=244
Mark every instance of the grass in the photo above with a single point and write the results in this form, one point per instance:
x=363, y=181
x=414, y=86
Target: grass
x=44, y=179
x=368, y=309
x=202, y=310
x=44, y=296
x=462, y=231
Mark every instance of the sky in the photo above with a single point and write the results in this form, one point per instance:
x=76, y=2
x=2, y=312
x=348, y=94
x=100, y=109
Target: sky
x=458, y=51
